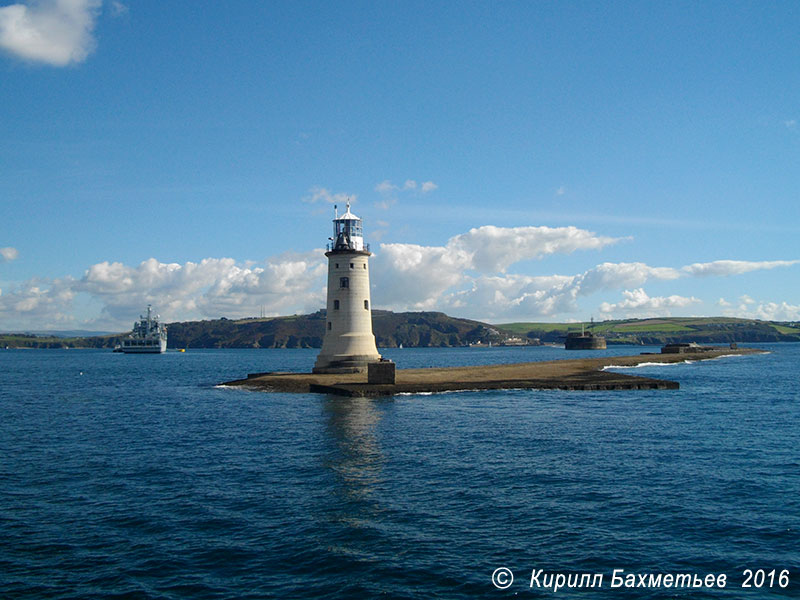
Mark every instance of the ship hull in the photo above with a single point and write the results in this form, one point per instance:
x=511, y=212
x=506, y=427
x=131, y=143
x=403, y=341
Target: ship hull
x=154, y=348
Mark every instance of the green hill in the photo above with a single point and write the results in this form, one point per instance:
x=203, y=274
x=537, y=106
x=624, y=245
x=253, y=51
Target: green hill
x=299, y=331
x=431, y=329
x=669, y=330
x=306, y=331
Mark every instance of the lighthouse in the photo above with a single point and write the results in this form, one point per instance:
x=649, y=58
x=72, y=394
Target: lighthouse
x=349, y=344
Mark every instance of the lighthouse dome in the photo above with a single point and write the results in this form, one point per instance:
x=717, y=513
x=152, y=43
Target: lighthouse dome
x=348, y=216
x=347, y=232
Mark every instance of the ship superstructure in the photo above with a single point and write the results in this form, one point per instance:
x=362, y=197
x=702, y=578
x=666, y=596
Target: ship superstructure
x=149, y=336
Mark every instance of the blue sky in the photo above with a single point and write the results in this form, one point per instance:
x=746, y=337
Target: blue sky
x=543, y=161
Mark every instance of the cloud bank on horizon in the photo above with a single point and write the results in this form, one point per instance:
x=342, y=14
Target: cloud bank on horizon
x=468, y=277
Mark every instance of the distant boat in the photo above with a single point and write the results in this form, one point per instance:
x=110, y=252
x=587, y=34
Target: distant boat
x=149, y=336
x=516, y=341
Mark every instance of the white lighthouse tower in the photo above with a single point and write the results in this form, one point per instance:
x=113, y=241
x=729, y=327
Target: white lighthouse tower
x=349, y=344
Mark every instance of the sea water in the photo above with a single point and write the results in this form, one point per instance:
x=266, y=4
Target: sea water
x=137, y=476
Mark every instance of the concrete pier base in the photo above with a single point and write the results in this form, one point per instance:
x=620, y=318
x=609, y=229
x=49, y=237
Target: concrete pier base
x=573, y=374
x=344, y=364
x=381, y=373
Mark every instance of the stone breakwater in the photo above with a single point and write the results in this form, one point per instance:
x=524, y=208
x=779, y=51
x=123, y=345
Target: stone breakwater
x=570, y=374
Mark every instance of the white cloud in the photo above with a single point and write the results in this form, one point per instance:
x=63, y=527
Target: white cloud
x=491, y=249
x=418, y=277
x=774, y=311
x=791, y=123
x=321, y=194
x=607, y=276
x=636, y=303
x=468, y=277
x=8, y=254
x=37, y=303
x=405, y=277
x=390, y=192
x=767, y=311
x=723, y=268
x=56, y=32
x=212, y=288
x=449, y=286
x=510, y=296
x=385, y=187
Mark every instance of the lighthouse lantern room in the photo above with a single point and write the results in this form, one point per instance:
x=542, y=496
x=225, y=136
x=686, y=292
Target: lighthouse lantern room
x=349, y=344
x=347, y=231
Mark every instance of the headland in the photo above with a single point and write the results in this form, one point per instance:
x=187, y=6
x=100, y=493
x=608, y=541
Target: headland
x=568, y=374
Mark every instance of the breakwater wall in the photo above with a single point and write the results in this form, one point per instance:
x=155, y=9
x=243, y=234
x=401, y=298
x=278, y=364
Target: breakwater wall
x=569, y=374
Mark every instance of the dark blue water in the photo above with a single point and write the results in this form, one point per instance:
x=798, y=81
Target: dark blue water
x=135, y=477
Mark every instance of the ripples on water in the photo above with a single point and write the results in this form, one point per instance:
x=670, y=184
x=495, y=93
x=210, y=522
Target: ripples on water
x=135, y=477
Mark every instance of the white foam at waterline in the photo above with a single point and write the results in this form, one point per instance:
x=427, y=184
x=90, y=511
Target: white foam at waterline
x=222, y=386
x=444, y=392
x=648, y=364
x=472, y=390
x=666, y=364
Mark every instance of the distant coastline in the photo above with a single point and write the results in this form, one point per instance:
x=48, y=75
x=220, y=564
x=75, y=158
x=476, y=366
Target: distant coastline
x=432, y=329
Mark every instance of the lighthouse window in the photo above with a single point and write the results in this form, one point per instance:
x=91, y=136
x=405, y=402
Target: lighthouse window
x=344, y=282
x=365, y=265
x=352, y=266
x=329, y=325
x=337, y=265
x=335, y=305
x=366, y=304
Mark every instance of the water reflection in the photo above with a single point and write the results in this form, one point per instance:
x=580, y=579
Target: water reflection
x=356, y=459
x=355, y=509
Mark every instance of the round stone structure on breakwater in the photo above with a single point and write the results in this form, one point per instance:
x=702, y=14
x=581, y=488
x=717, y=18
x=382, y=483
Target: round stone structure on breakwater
x=584, y=341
